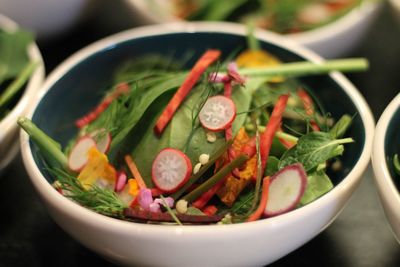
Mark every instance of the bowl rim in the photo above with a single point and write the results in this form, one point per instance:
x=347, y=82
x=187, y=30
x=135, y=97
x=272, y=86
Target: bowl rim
x=103, y=222
x=324, y=32
x=7, y=123
x=382, y=175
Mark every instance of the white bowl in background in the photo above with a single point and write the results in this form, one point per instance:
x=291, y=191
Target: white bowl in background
x=332, y=40
x=395, y=4
x=8, y=126
x=386, y=144
x=46, y=18
x=134, y=244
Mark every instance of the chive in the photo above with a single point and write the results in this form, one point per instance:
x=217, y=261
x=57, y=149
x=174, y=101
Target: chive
x=17, y=84
x=341, y=126
x=287, y=137
x=221, y=174
x=45, y=143
x=308, y=68
x=202, y=170
x=170, y=211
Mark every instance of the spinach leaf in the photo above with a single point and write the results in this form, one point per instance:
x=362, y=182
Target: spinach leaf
x=243, y=204
x=182, y=134
x=313, y=149
x=318, y=183
x=13, y=53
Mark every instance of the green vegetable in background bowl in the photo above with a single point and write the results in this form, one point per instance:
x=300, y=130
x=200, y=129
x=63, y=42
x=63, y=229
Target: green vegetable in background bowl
x=15, y=67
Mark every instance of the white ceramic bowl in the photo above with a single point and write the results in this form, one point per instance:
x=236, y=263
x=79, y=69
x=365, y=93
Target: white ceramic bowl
x=395, y=6
x=8, y=127
x=248, y=244
x=386, y=144
x=46, y=18
x=332, y=40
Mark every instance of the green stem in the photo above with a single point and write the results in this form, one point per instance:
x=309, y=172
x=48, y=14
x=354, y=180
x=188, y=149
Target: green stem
x=308, y=68
x=170, y=211
x=17, y=84
x=287, y=137
x=45, y=143
x=252, y=41
x=221, y=174
x=341, y=126
x=202, y=170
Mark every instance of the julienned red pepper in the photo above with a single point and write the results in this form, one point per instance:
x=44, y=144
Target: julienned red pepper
x=122, y=88
x=267, y=136
x=199, y=68
x=202, y=201
x=308, y=105
x=263, y=201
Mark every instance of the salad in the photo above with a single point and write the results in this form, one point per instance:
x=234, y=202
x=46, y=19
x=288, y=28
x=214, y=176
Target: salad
x=283, y=16
x=15, y=67
x=224, y=141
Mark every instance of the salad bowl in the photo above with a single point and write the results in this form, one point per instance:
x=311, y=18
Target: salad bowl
x=9, y=144
x=385, y=147
x=136, y=244
x=330, y=40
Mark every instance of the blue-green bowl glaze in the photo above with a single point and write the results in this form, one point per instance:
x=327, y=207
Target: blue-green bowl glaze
x=78, y=91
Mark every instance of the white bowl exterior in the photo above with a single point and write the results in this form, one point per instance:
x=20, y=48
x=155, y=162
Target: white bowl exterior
x=329, y=41
x=45, y=17
x=8, y=125
x=217, y=245
x=388, y=193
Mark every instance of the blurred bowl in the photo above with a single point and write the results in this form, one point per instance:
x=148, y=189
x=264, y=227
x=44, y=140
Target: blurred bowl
x=8, y=133
x=395, y=7
x=46, y=18
x=77, y=80
x=331, y=40
x=386, y=145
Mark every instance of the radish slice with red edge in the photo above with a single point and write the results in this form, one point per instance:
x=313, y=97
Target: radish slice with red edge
x=171, y=169
x=102, y=138
x=286, y=189
x=217, y=113
x=79, y=153
x=120, y=182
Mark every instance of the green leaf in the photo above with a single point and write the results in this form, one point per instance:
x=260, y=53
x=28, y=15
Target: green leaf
x=13, y=53
x=318, y=183
x=272, y=166
x=313, y=149
x=243, y=204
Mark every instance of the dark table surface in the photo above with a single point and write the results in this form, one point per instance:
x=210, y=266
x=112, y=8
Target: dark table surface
x=360, y=236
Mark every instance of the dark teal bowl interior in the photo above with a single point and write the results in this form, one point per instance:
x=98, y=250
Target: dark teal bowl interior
x=78, y=91
x=392, y=145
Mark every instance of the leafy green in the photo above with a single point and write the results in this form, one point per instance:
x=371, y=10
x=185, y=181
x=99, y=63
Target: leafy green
x=13, y=53
x=272, y=166
x=318, y=183
x=243, y=204
x=180, y=128
x=313, y=149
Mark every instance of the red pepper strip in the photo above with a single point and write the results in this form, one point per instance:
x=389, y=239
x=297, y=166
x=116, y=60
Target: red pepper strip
x=263, y=201
x=202, y=201
x=308, y=105
x=155, y=192
x=210, y=210
x=272, y=126
x=122, y=88
x=201, y=65
x=267, y=136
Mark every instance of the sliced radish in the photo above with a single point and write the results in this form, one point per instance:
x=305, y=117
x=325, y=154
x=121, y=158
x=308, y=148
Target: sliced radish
x=171, y=169
x=286, y=189
x=121, y=181
x=79, y=154
x=217, y=113
x=102, y=138
x=314, y=13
